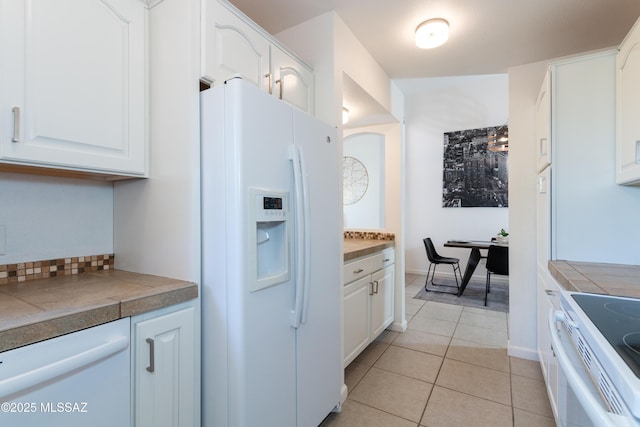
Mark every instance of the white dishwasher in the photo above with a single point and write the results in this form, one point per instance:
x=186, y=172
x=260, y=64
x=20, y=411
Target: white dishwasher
x=78, y=379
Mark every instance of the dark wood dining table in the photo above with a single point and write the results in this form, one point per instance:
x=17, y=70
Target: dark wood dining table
x=474, y=257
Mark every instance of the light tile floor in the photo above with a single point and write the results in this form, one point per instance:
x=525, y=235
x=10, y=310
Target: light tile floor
x=450, y=368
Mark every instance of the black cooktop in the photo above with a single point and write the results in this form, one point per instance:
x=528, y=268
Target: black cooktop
x=618, y=319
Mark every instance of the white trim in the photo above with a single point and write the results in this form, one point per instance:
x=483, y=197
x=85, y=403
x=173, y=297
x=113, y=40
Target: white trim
x=399, y=326
x=522, y=352
x=449, y=275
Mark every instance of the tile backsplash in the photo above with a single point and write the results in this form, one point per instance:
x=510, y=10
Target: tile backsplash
x=369, y=235
x=25, y=271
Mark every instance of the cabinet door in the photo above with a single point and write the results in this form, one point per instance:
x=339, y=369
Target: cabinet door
x=164, y=370
x=541, y=328
x=356, y=318
x=382, y=300
x=543, y=121
x=628, y=109
x=292, y=80
x=232, y=47
x=543, y=218
x=548, y=294
x=72, y=87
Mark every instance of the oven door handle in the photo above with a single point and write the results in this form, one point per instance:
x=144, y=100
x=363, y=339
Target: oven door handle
x=42, y=374
x=593, y=407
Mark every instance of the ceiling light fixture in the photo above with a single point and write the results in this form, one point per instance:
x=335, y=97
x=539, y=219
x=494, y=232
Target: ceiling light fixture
x=432, y=33
x=345, y=115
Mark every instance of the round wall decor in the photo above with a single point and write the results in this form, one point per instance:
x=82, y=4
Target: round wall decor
x=355, y=180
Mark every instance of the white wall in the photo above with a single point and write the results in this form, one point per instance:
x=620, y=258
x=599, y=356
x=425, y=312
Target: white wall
x=394, y=207
x=524, y=84
x=432, y=107
x=157, y=220
x=595, y=202
x=368, y=212
x=314, y=42
x=355, y=61
x=328, y=45
x=594, y=219
x=49, y=218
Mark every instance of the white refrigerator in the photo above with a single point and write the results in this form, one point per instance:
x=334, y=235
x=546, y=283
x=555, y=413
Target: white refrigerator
x=272, y=254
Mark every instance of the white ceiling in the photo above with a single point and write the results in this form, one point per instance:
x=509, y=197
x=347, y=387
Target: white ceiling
x=487, y=36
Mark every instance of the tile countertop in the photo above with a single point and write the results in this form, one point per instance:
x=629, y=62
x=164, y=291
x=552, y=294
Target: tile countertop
x=36, y=310
x=355, y=248
x=613, y=279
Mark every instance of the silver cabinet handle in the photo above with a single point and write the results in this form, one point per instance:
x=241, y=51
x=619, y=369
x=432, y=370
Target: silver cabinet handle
x=376, y=283
x=358, y=271
x=281, y=83
x=16, y=124
x=370, y=288
x=386, y=260
x=152, y=355
x=549, y=292
x=268, y=76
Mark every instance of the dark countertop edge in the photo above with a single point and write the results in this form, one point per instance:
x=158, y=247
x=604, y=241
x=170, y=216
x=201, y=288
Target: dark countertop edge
x=53, y=327
x=377, y=246
x=42, y=326
x=153, y=302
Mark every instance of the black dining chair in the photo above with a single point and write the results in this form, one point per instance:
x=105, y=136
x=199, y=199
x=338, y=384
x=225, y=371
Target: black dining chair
x=497, y=263
x=435, y=259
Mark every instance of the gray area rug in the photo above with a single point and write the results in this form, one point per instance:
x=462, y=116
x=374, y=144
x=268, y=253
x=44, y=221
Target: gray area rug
x=473, y=296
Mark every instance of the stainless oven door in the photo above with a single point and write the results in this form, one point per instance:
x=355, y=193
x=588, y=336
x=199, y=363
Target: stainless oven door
x=579, y=402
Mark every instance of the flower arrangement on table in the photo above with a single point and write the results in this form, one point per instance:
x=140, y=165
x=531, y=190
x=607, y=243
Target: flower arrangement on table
x=502, y=237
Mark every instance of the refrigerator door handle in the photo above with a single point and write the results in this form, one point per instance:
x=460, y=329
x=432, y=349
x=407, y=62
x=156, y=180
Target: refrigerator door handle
x=307, y=237
x=300, y=185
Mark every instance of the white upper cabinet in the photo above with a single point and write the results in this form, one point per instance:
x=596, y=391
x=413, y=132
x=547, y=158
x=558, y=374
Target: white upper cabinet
x=543, y=122
x=292, y=80
x=72, y=85
x=233, y=45
x=628, y=109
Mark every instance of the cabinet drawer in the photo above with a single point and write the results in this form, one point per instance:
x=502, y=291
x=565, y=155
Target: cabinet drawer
x=357, y=269
x=383, y=259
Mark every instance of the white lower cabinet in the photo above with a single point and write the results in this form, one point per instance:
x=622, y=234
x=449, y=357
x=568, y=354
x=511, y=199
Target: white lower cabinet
x=368, y=301
x=382, y=300
x=164, y=369
x=356, y=318
x=548, y=299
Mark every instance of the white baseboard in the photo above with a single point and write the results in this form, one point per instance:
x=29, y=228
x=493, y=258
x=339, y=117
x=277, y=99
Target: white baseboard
x=399, y=326
x=449, y=275
x=522, y=352
x=414, y=271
